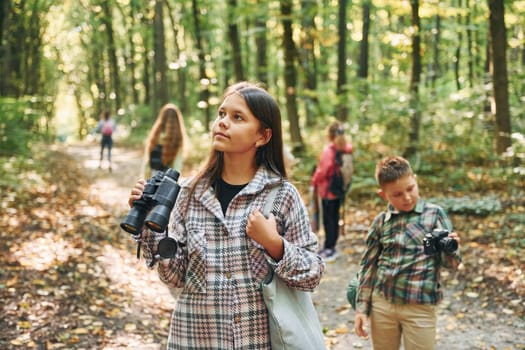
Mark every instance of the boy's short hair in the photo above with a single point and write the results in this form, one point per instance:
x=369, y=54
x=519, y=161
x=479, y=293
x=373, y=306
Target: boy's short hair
x=391, y=169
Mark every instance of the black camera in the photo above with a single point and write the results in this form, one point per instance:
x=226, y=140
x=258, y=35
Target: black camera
x=153, y=209
x=438, y=241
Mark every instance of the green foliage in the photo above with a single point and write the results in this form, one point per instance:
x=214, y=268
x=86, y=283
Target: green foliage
x=467, y=205
x=22, y=124
x=18, y=174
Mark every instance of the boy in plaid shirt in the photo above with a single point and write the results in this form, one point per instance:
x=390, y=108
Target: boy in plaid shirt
x=399, y=283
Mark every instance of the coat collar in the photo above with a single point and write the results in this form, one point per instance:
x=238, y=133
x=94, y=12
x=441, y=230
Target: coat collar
x=263, y=178
x=391, y=211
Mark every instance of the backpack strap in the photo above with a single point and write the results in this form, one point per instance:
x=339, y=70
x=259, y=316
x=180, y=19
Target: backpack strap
x=270, y=200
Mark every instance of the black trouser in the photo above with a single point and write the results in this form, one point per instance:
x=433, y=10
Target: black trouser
x=107, y=141
x=331, y=221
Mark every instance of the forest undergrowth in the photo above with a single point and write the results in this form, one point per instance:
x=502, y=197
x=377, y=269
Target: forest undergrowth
x=61, y=286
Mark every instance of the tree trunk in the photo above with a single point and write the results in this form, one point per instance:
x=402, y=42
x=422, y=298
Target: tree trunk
x=415, y=79
x=235, y=42
x=32, y=55
x=112, y=53
x=161, y=81
x=204, y=90
x=499, y=75
x=181, y=71
x=342, y=108
x=131, y=54
x=308, y=60
x=458, y=49
x=324, y=49
x=146, y=73
x=363, y=49
x=15, y=42
x=435, y=74
x=470, y=50
x=146, y=81
x=5, y=49
x=98, y=62
x=290, y=75
x=261, y=55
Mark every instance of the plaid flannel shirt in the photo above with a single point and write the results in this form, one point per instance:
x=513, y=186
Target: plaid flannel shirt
x=394, y=263
x=220, y=269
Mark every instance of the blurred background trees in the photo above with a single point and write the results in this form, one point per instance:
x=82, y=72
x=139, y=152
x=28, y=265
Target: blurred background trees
x=440, y=79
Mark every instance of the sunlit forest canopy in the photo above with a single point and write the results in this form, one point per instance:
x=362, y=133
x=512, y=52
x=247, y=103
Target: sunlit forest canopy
x=438, y=79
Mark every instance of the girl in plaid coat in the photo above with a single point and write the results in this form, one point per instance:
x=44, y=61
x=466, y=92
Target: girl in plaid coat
x=226, y=245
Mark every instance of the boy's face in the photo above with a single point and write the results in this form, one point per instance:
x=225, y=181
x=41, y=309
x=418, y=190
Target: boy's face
x=402, y=194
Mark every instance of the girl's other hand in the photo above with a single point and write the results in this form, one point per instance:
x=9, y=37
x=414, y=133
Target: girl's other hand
x=136, y=192
x=264, y=232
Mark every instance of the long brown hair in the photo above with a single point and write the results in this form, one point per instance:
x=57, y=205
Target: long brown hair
x=170, y=124
x=266, y=110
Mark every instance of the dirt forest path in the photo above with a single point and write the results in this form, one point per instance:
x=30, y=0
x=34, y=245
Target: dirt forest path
x=463, y=322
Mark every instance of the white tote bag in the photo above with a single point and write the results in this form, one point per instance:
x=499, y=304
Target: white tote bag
x=294, y=324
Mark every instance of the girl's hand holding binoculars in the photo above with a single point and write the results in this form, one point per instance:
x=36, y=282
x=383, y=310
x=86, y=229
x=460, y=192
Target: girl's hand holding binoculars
x=136, y=192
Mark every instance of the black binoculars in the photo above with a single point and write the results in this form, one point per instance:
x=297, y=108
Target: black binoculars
x=153, y=209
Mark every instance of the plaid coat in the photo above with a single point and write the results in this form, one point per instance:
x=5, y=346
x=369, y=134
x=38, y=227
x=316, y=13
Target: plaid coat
x=220, y=268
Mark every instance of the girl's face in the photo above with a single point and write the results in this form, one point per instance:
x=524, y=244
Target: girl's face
x=403, y=194
x=236, y=129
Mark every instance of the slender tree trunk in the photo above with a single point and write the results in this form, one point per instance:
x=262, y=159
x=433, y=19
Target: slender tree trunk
x=146, y=74
x=17, y=46
x=235, y=42
x=522, y=91
x=146, y=81
x=325, y=51
x=131, y=55
x=161, y=80
x=112, y=52
x=181, y=71
x=91, y=71
x=341, y=89
x=362, y=71
x=470, y=49
x=204, y=90
x=415, y=118
x=290, y=75
x=308, y=60
x=98, y=66
x=436, y=69
x=261, y=55
x=458, y=48
x=363, y=50
x=499, y=75
x=487, y=73
x=5, y=49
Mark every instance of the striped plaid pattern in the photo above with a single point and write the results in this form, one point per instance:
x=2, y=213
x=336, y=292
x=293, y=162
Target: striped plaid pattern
x=220, y=269
x=394, y=263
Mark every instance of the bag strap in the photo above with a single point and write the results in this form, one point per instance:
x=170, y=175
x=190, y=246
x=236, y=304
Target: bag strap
x=268, y=206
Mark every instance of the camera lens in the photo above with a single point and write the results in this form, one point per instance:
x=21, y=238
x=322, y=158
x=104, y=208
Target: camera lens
x=449, y=245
